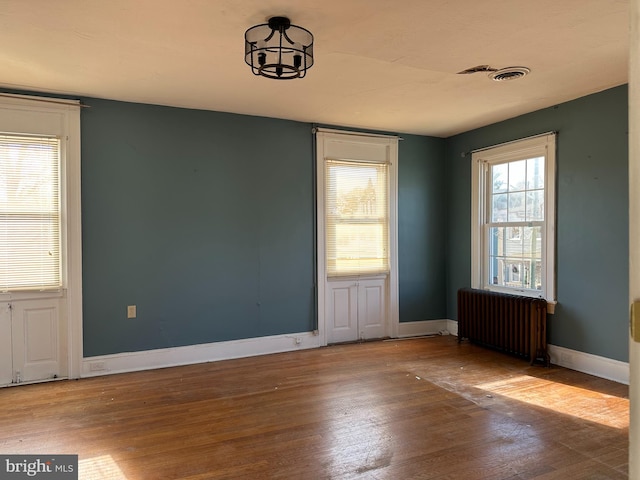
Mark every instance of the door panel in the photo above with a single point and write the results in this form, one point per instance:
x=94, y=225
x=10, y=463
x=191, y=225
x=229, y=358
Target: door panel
x=371, y=309
x=342, y=312
x=36, y=339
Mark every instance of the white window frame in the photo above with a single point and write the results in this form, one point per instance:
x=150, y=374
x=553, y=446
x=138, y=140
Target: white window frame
x=538, y=146
x=33, y=115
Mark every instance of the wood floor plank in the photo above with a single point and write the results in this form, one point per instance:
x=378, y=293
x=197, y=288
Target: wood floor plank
x=426, y=408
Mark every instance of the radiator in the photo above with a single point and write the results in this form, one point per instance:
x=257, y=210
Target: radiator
x=510, y=323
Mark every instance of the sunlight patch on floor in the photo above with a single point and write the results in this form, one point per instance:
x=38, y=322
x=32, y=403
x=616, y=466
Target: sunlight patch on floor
x=100, y=468
x=578, y=402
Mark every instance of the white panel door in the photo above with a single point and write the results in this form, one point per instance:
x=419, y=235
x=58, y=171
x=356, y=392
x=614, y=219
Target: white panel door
x=35, y=350
x=356, y=310
x=372, y=309
x=342, y=312
x=355, y=303
x=6, y=351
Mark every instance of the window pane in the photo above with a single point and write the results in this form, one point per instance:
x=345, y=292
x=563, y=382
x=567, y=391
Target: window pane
x=356, y=191
x=29, y=253
x=500, y=176
x=499, y=208
x=515, y=255
x=516, y=207
x=29, y=213
x=535, y=173
x=356, y=218
x=28, y=176
x=514, y=233
x=359, y=248
x=517, y=175
x=535, y=205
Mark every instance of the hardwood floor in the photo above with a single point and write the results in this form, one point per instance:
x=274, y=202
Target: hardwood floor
x=423, y=408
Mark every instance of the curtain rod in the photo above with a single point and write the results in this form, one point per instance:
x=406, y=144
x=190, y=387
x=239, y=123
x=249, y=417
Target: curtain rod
x=351, y=132
x=59, y=101
x=552, y=132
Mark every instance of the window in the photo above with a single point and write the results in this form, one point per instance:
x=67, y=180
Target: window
x=29, y=213
x=357, y=217
x=513, y=217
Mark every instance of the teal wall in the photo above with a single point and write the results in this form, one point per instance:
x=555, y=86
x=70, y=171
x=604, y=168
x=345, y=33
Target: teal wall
x=592, y=217
x=205, y=221
x=422, y=242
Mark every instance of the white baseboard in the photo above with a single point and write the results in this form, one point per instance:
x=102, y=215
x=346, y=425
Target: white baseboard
x=210, y=352
x=592, y=364
x=426, y=327
x=452, y=327
x=582, y=362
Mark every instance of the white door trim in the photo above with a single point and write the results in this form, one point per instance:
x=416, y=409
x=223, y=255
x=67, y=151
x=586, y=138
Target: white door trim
x=634, y=233
x=392, y=305
x=74, y=244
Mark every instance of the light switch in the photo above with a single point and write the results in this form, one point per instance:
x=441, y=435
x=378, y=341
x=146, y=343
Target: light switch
x=634, y=321
x=131, y=311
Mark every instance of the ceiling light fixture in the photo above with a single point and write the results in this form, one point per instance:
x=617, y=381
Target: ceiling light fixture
x=278, y=49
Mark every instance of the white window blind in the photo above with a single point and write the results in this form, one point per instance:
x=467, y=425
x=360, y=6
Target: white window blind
x=356, y=217
x=29, y=213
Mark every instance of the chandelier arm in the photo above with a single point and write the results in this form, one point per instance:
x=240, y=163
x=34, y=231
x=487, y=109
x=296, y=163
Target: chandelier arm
x=284, y=34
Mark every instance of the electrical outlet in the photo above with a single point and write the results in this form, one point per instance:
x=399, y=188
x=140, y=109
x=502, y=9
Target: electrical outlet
x=298, y=340
x=131, y=311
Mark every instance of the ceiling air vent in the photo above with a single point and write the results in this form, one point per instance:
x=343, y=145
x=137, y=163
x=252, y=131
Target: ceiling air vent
x=509, y=73
x=499, y=75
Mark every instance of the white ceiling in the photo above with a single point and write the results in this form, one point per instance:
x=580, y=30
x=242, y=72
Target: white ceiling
x=378, y=64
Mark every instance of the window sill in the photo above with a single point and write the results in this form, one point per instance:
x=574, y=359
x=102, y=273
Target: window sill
x=551, y=304
x=362, y=276
x=31, y=295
